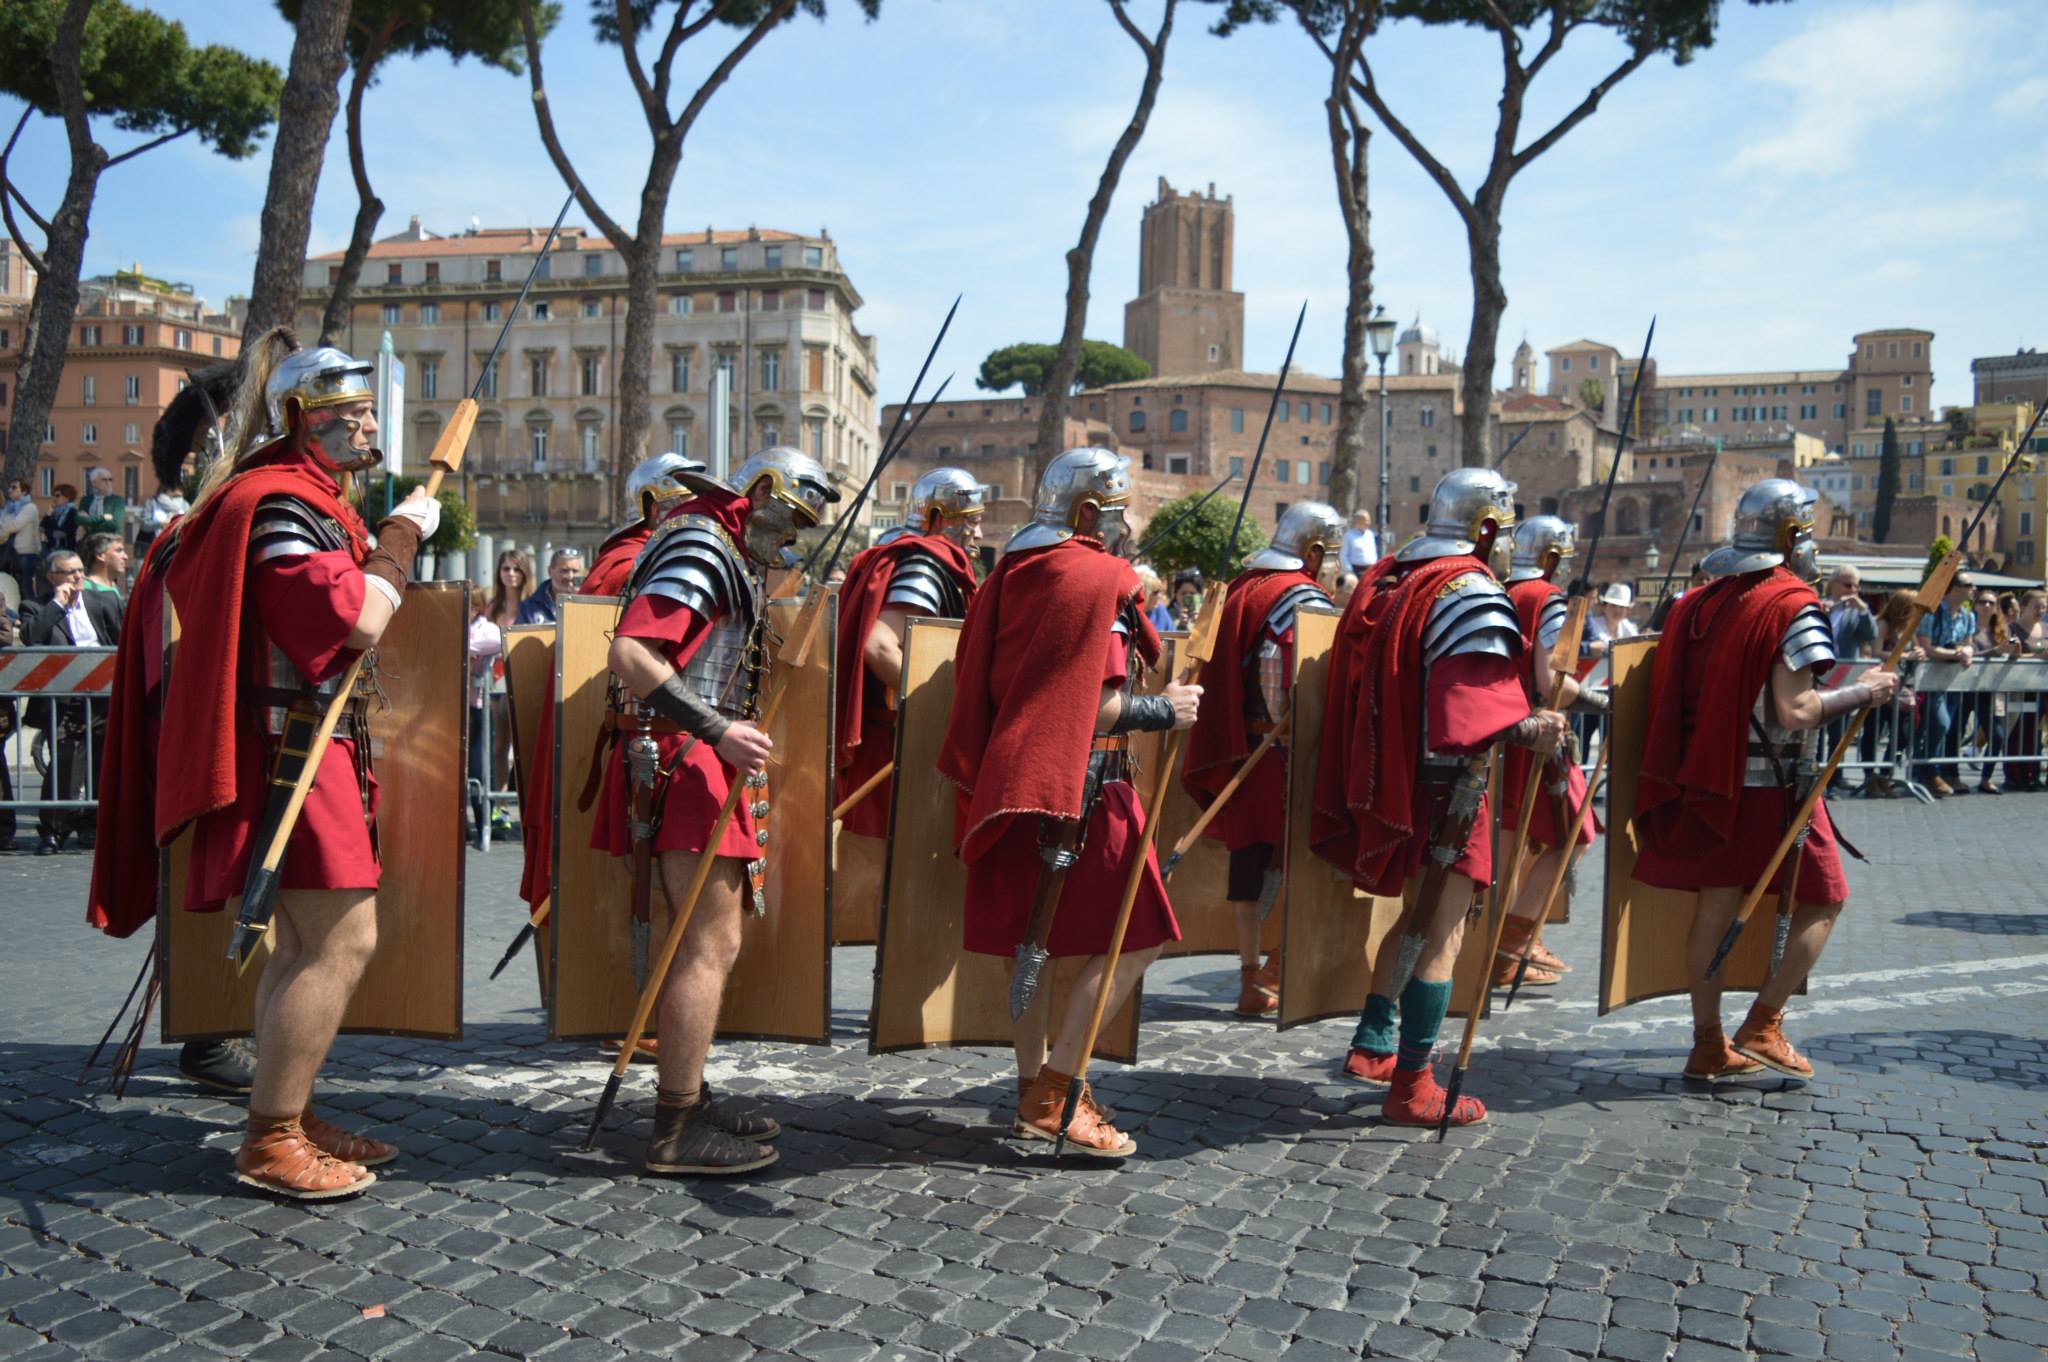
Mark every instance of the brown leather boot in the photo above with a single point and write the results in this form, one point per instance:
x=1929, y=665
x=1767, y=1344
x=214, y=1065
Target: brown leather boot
x=1254, y=997
x=1762, y=1038
x=1038, y=1118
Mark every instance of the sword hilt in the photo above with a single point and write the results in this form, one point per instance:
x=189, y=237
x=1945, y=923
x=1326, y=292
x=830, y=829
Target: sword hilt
x=1728, y=941
x=1443, y=1125
x=525, y=934
x=604, y=1109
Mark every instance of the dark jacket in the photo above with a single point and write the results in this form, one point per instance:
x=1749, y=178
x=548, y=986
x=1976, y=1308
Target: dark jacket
x=539, y=608
x=43, y=627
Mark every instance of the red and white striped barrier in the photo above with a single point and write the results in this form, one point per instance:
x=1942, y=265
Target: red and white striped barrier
x=56, y=671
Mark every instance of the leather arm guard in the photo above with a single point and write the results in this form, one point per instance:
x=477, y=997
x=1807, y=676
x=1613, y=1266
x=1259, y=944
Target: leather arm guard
x=1143, y=714
x=1842, y=699
x=673, y=701
x=1461, y=811
x=398, y=547
x=1528, y=732
x=1592, y=700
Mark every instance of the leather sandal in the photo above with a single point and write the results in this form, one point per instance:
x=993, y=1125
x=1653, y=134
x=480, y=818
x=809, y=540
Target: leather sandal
x=1540, y=954
x=1102, y=1113
x=1761, y=1037
x=741, y=1117
x=1417, y=1099
x=1038, y=1118
x=283, y=1161
x=336, y=1143
x=1363, y=1066
x=1714, y=1060
x=1254, y=997
x=687, y=1142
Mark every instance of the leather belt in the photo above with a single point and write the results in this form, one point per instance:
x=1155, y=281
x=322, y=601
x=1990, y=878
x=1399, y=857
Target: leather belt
x=615, y=722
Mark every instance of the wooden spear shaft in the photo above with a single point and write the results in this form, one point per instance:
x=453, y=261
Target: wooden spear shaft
x=867, y=787
x=1564, y=865
x=1223, y=796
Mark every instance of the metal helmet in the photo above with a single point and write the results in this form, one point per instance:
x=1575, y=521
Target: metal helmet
x=954, y=493
x=1773, y=525
x=1466, y=502
x=1535, y=540
x=657, y=481
x=1306, y=525
x=320, y=377
x=798, y=490
x=1077, y=479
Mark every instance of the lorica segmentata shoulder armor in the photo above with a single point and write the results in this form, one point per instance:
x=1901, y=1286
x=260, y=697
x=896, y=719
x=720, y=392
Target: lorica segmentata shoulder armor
x=692, y=560
x=286, y=527
x=1550, y=620
x=1472, y=614
x=1280, y=618
x=922, y=585
x=1809, y=641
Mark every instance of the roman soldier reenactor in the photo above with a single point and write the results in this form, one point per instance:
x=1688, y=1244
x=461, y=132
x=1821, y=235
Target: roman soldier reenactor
x=1542, y=545
x=652, y=486
x=1250, y=681
x=1046, y=676
x=923, y=568
x=1734, y=717
x=277, y=587
x=691, y=651
x=1425, y=679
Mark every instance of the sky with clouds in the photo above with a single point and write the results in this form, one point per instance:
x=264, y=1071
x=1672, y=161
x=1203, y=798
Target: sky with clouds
x=1828, y=166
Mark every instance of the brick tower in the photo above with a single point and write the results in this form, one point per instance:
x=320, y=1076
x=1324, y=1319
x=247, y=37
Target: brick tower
x=1186, y=319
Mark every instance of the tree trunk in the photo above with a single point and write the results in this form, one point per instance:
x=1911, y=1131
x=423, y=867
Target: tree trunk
x=1059, y=382
x=46, y=337
x=1489, y=301
x=305, y=115
x=643, y=307
x=369, y=208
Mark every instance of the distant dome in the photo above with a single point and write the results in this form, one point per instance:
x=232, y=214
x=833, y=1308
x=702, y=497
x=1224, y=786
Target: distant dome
x=1420, y=333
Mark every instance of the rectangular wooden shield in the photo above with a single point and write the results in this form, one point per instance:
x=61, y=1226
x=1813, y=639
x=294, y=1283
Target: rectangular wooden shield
x=1200, y=886
x=413, y=986
x=1333, y=930
x=1643, y=928
x=928, y=990
x=529, y=668
x=857, y=863
x=780, y=988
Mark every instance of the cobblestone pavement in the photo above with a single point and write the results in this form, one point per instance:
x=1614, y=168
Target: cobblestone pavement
x=1893, y=1208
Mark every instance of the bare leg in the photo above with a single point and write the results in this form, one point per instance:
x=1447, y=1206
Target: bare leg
x=1535, y=885
x=1443, y=929
x=335, y=932
x=1249, y=929
x=1709, y=924
x=1065, y=1056
x=1811, y=924
x=284, y=951
x=688, y=1007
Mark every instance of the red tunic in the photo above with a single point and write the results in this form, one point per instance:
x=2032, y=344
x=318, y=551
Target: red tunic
x=124, y=864
x=1373, y=817
x=1222, y=738
x=698, y=787
x=864, y=726
x=307, y=604
x=1699, y=826
x=1529, y=598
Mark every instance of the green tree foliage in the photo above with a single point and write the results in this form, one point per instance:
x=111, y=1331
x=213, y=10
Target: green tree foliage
x=1941, y=548
x=1200, y=540
x=1592, y=396
x=458, y=521
x=1028, y=365
x=1887, y=483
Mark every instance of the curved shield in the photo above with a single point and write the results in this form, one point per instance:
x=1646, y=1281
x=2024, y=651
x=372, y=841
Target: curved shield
x=1643, y=928
x=929, y=991
x=780, y=987
x=529, y=674
x=413, y=986
x=1334, y=931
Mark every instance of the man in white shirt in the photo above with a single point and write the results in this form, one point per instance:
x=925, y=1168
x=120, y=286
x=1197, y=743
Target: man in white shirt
x=72, y=615
x=1361, y=548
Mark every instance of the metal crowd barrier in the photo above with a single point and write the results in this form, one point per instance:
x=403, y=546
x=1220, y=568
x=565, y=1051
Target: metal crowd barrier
x=478, y=792
x=1987, y=715
x=45, y=730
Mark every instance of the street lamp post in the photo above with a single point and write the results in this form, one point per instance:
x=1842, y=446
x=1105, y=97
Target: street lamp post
x=1380, y=330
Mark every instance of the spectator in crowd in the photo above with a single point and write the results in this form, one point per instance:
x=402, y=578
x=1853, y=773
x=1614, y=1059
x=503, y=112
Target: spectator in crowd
x=21, y=538
x=1361, y=548
x=1878, y=730
x=106, y=564
x=1161, y=611
x=1949, y=634
x=72, y=616
x=1612, y=622
x=158, y=512
x=10, y=634
x=514, y=583
x=2023, y=730
x=1855, y=632
x=486, y=655
x=1994, y=626
x=1187, y=597
x=60, y=525
x=565, y=573
x=101, y=512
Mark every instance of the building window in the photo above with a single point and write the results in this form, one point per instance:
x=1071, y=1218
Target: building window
x=393, y=314
x=588, y=434
x=1415, y=484
x=1905, y=401
x=1236, y=466
x=1306, y=407
x=816, y=427
x=593, y=265
x=680, y=305
x=1428, y=418
x=537, y=375
x=679, y=370
x=543, y=311
x=1431, y=450
x=1856, y=451
x=771, y=300
x=814, y=299
x=1916, y=447
x=131, y=433
x=686, y=261
x=2026, y=522
x=537, y=445
x=544, y=268
x=814, y=257
x=1237, y=420
x=589, y=375
x=1137, y=421
x=1324, y=414
x=771, y=369
x=1323, y=474
x=131, y=389
x=1809, y=411
x=88, y=335
x=430, y=379
x=728, y=301
x=494, y=270
x=131, y=483
x=1177, y=421
x=1841, y=411
x=491, y=312
x=1713, y=415
x=489, y=386
x=1177, y=463
x=433, y=271
x=1873, y=402
x=771, y=257
x=1564, y=364
x=1280, y=411
x=592, y=308
x=1905, y=380
x=725, y=362
x=131, y=335
x=89, y=433
x=92, y=391
x=430, y=313
x=679, y=438
x=729, y=258
x=49, y=482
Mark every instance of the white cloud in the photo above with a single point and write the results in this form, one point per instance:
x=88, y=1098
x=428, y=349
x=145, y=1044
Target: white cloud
x=2028, y=96
x=1853, y=69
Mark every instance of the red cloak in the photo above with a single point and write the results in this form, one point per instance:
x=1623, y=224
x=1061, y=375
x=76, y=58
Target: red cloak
x=1529, y=598
x=1028, y=685
x=863, y=725
x=124, y=860
x=200, y=736
x=1713, y=659
x=1221, y=738
x=607, y=577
